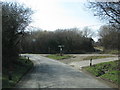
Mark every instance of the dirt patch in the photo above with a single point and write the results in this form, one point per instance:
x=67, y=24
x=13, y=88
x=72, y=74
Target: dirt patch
x=81, y=57
x=75, y=59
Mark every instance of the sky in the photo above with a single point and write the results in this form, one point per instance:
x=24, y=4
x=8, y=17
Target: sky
x=61, y=14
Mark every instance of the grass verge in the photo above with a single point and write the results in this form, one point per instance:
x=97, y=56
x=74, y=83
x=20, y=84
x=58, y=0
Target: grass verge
x=108, y=71
x=96, y=57
x=21, y=67
x=58, y=57
x=111, y=51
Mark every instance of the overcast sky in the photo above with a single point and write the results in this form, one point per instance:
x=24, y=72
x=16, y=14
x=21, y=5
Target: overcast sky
x=54, y=14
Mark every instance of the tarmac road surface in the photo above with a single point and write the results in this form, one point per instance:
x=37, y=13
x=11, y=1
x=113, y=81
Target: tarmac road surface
x=49, y=73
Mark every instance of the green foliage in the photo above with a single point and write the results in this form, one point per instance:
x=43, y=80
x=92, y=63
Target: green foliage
x=97, y=71
x=20, y=67
x=107, y=70
x=58, y=57
x=112, y=76
x=111, y=51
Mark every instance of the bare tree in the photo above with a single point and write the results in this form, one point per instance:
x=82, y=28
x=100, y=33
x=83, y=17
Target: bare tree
x=109, y=37
x=48, y=41
x=107, y=11
x=87, y=32
x=15, y=18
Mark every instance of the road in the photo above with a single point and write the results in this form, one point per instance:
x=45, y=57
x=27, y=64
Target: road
x=49, y=73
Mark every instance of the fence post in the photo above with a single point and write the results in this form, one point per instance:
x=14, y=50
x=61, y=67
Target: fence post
x=28, y=58
x=91, y=62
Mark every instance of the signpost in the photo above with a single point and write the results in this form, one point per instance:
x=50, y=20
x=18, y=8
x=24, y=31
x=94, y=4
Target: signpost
x=61, y=49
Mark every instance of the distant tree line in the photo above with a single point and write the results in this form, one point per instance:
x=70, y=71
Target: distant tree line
x=74, y=41
x=109, y=37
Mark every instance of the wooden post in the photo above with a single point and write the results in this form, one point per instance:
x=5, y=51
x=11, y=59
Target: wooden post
x=91, y=62
x=28, y=58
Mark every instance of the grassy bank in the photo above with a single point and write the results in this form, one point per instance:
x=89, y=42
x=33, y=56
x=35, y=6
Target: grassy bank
x=20, y=67
x=108, y=71
x=58, y=57
x=111, y=51
x=96, y=57
x=106, y=51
